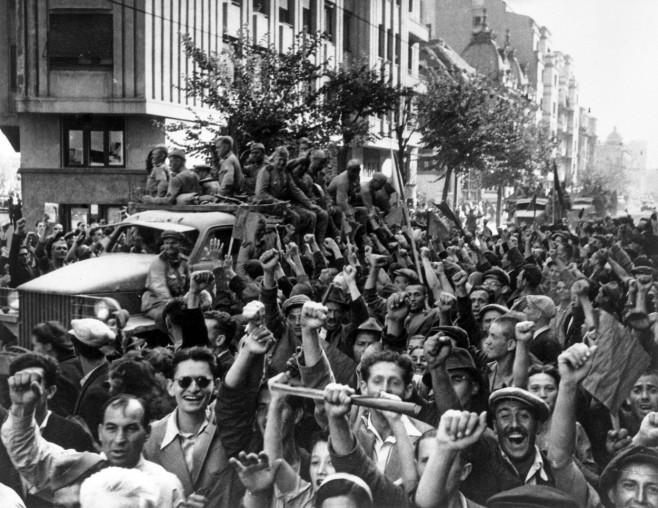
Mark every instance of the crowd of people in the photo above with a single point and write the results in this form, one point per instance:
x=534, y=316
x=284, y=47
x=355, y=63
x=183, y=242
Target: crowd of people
x=356, y=363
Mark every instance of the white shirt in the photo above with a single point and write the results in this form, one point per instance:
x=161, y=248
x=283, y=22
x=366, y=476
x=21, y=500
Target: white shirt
x=536, y=468
x=187, y=439
x=383, y=447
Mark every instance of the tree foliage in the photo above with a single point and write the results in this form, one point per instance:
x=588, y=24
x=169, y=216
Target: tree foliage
x=478, y=125
x=258, y=93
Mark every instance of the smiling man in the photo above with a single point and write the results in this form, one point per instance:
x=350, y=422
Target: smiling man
x=56, y=473
x=185, y=442
x=512, y=459
x=643, y=399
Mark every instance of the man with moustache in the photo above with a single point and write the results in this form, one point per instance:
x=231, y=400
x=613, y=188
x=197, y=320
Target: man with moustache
x=512, y=459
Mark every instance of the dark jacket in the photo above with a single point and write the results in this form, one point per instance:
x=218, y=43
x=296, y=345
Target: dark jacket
x=95, y=392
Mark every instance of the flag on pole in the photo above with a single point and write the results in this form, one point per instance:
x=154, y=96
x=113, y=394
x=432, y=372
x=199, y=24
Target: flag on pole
x=447, y=212
x=246, y=224
x=437, y=227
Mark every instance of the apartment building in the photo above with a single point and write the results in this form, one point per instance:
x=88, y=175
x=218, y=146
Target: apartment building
x=90, y=81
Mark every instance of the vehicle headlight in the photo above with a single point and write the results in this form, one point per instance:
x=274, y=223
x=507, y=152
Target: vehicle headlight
x=104, y=307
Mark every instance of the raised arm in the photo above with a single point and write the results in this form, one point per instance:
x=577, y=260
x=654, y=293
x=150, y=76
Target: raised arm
x=523, y=332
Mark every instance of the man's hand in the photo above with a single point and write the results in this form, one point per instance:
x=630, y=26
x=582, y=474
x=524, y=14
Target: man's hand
x=648, y=434
x=446, y=301
x=200, y=280
x=314, y=315
x=460, y=278
x=523, y=331
x=439, y=268
x=575, y=363
x=397, y=306
x=259, y=341
x=458, y=430
x=349, y=275
x=617, y=440
x=581, y=288
x=391, y=416
x=195, y=500
x=424, y=253
x=310, y=239
x=25, y=389
x=437, y=348
x=330, y=244
x=293, y=250
x=337, y=401
x=216, y=248
x=20, y=227
x=255, y=471
x=269, y=260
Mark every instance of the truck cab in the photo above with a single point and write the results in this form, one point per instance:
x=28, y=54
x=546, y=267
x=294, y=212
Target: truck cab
x=115, y=279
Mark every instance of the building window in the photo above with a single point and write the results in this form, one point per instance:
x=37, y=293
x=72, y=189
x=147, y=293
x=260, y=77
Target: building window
x=80, y=39
x=329, y=22
x=91, y=141
x=411, y=5
x=13, y=68
x=284, y=12
x=398, y=48
x=389, y=44
x=382, y=42
x=262, y=6
x=410, y=57
x=347, y=30
x=307, y=20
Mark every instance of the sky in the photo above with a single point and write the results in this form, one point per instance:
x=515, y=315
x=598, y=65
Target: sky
x=615, y=49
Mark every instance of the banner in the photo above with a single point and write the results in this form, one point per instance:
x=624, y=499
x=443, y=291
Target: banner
x=246, y=224
x=447, y=212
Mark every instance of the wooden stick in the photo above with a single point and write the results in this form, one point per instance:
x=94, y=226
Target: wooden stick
x=397, y=406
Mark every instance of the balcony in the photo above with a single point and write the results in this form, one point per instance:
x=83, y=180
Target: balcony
x=418, y=30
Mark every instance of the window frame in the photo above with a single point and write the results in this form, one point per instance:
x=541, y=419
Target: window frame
x=98, y=57
x=88, y=124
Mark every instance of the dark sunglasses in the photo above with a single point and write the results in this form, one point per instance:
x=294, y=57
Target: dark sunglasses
x=185, y=382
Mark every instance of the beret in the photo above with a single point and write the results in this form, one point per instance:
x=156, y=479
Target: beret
x=294, y=301
x=460, y=358
x=532, y=496
x=336, y=295
x=92, y=332
x=454, y=332
x=177, y=152
x=497, y=273
x=520, y=395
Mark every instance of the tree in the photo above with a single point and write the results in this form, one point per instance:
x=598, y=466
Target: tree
x=259, y=94
x=352, y=94
x=477, y=125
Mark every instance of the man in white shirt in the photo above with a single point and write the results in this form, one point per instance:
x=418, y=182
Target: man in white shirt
x=43, y=465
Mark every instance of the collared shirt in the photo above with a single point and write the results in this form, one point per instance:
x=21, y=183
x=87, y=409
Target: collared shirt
x=383, y=447
x=187, y=439
x=536, y=469
x=496, y=382
x=540, y=330
x=45, y=420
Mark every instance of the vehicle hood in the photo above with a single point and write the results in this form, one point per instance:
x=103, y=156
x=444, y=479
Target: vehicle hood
x=110, y=273
x=528, y=213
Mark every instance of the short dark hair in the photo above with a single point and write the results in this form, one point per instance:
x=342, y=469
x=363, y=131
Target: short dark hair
x=53, y=333
x=532, y=275
x=122, y=400
x=47, y=363
x=549, y=369
x=85, y=350
x=402, y=361
x=509, y=324
x=480, y=287
x=174, y=309
x=196, y=354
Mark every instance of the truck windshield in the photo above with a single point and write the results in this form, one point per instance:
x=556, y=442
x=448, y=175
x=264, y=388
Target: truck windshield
x=141, y=239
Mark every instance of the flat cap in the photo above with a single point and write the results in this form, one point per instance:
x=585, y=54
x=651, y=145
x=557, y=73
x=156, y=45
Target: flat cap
x=545, y=304
x=294, y=301
x=494, y=306
x=408, y=273
x=497, y=273
x=172, y=234
x=177, y=152
x=257, y=146
x=632, y=455
x=460, y=358
x=512, y=393
x=371, y=325
x=92, y=332
x=456, y=333
x=532, y=496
